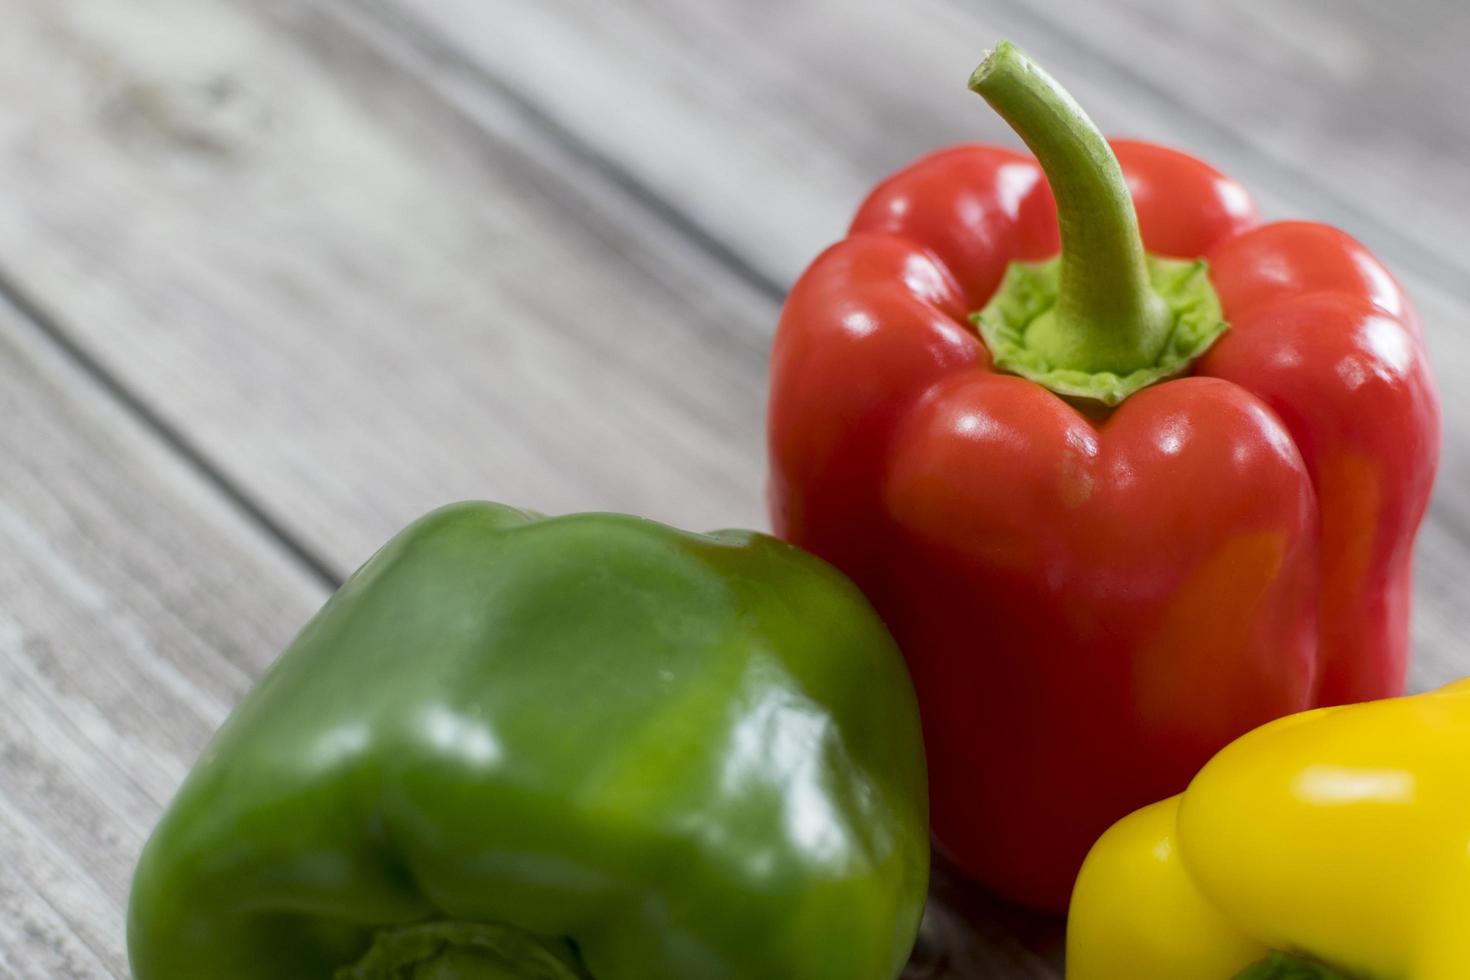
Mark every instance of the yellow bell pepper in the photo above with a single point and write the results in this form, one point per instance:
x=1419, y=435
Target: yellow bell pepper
x=1330, y=844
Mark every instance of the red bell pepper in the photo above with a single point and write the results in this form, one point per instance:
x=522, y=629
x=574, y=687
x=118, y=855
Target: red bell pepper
x=1110, y=534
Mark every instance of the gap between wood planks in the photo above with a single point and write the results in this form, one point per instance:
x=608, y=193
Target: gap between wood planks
x=116, y=547
x=397, y=35
x=33, y=313
x=459, y=310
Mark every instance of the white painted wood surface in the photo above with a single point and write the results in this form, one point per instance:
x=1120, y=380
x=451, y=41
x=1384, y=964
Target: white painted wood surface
x=136, y=606
x=287, y=273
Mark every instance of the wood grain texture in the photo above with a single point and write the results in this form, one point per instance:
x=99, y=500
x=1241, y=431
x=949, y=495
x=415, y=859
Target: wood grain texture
x=1345, y=114
x=361, y=300
x=138, y=606
x=353, y=258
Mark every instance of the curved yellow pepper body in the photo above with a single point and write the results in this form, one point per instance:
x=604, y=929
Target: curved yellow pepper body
x=1340, y=835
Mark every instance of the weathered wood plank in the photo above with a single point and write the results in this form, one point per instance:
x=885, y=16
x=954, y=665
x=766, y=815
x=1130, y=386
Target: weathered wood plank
x=55, y=921
x=264, y=239
x=799, y=105
x=138, y=606
x=35, y=940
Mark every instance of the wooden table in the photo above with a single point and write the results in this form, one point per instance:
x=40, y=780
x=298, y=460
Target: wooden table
x=279, y=275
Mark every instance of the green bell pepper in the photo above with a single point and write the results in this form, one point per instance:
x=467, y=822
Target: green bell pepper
x=517, y=748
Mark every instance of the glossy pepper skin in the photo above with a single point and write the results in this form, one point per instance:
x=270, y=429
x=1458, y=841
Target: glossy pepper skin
x=515, y=748
x=1094, y=600
x=1336, y=838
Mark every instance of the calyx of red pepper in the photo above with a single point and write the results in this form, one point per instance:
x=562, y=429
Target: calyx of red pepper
x=463, y=951
x=1103, y=319
x=1279, y=966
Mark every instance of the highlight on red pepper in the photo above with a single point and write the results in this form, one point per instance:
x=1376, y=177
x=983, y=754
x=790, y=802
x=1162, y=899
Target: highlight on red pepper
x=1119, y=503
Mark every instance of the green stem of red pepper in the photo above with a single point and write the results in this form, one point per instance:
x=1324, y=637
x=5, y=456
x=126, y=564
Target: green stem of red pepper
x=1107, y=315
x=1105, y=319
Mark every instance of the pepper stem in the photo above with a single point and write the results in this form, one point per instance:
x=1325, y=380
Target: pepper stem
x=463, y=951
x=1107, y=315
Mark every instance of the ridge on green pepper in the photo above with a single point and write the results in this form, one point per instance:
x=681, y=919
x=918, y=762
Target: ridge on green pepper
x=524, y=748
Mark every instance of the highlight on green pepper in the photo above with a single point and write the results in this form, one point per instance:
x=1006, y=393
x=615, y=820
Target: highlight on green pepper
x=524, y=748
